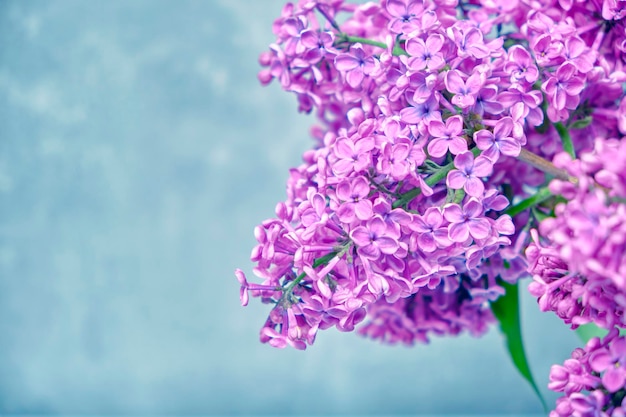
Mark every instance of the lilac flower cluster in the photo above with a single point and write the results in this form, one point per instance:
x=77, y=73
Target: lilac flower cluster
x=410, y=95
x=579, y=266
x=369, y=221
x=434, y=116
x=593, y=380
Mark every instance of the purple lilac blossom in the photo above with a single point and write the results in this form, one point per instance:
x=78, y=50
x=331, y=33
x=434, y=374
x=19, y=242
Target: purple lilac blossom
x=593, y=380
x=368, y=236
x=578, y=257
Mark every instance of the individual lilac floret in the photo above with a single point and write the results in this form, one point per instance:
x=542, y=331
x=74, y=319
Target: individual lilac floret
x=563, y=91
x=352, y=155
x=431, y=232
x=374, y=239
x=465, y=92
x=610, y=362
x=468, y=173
x=426, y=53
x=406, y=15
x=448, y=136
x=354, y=205
x=520, y=65
x=469, y=42
x=500, y=141
x=467, y=221
x=357, y=65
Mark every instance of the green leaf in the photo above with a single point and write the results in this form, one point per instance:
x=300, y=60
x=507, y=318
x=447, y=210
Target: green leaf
x=582, y=123
x=506, y=310
x=566, y=139
x=587, y=331
x=542, y=195
x=590, y=330
x=539, y=215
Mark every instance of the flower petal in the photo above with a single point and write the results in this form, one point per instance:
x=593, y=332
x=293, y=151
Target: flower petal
x=458, y=232
x=456, y=179
x=482, y=167
x=473, y=186
x=346, y=62
x=454, y=82
x=479, y=228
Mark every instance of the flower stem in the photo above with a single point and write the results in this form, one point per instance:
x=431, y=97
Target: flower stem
x=342, y=37
x=318, y=262
x=542, y=195
x=397, y=51
x=566, y=139
x=328, y=18
x=525, y=156
x=432, y=180
x=544, y=165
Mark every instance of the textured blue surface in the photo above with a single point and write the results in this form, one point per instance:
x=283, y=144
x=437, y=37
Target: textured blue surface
x=137, y=153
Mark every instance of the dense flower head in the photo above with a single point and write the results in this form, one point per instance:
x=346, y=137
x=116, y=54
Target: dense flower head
x=428, y=110
x=579, y=265
x=445, y=306
x=593, y=380
x=430, y=184
x=383, y=234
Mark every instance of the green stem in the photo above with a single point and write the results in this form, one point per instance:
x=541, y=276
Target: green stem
x=545, y=166
x=330, y=20
x=542, y=195
x=323, y=261
x=397, y=51
x=318, y=262
x=432, y=180
x=566, y=139
x=459, y=196
x=524, y=156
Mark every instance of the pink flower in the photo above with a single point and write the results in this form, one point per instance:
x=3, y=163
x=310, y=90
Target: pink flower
x=405, y=15
x=374, y=239
x=353, y=192
x=465, y=92
x=469, y=42
x=447, y=137
x=579, y=54
x=563, y=89
x=546, y=50
x=487, y=101
x=425, y=53
x=353, y=155
x=398, y=159
x=523, y=103
x=243, y=289
x=467, y=221
x=520, y=65
x=500, y=141
x=431, y=234
x=316, y=44
x=612, y=361
x=421, y=112
x=468, y=173
x=356, y=66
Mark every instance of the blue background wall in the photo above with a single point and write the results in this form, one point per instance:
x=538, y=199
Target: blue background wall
x=137, y=153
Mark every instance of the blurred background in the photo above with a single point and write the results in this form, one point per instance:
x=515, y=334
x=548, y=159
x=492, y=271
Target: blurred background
x=137, y=153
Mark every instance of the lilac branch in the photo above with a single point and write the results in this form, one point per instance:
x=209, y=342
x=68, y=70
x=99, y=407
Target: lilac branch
x=544, y=165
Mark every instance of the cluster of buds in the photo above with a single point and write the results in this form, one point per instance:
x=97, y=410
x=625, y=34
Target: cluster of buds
x=593, y=380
